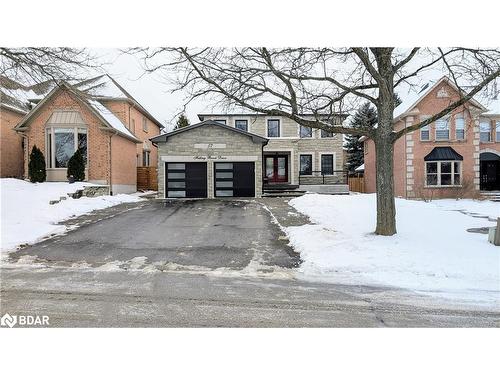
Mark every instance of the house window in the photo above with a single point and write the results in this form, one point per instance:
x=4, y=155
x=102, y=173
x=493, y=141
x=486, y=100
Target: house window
x=133, y=126
x=498, y=131
x=442, y=130
x=485, y=131
x=325, y=134
x=146, y=158
x=424, y=133
x=460, y=128
x=220, y=121
x=144, y=123
x=327, y=164
x=443, y=173
x=306, y=164
x=241, y=124
x=62, y=143
x=305, y=132
x=273, y=128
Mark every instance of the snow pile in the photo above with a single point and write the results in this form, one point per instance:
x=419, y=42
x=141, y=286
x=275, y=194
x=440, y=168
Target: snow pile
x=27, y=216
x=431, y=252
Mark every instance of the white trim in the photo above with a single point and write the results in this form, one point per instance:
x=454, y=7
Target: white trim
x=313, y=162
x=489, y=150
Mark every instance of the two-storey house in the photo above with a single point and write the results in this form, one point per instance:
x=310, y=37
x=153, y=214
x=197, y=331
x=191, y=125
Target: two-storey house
x=456, y=156
x=97, y=116
x=242, y=154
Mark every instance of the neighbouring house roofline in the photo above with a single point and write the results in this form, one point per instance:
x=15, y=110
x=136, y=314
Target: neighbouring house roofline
x=202, y=115
x=23, y=124
x=13, y=109
x=406, y=111
x=164, y=137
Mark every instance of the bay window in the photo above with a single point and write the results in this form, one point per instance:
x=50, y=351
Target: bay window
x=62, y=143
x=442, y=130
x=443, y=173
x=485, y=131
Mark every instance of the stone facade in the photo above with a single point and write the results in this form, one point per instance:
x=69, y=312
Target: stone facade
x=289, y=141
x=11, y=144
x=188, y=146
x=410, y=150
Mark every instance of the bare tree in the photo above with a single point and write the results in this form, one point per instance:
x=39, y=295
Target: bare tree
x=32, y=65
x=324, y=82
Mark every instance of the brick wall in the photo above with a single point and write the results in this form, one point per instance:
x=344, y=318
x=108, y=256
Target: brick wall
x=11, y=150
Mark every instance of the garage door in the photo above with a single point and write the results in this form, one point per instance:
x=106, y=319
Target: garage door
x=186, y=180
x=235, y=179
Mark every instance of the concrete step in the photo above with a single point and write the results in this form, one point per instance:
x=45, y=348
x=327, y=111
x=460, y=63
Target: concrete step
x=279, y=194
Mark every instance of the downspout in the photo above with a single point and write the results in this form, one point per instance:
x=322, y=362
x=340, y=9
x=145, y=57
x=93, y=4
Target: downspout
x=406, y=165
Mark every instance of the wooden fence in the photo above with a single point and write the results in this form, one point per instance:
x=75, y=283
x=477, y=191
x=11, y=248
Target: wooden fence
x=147, y=178
x=357, y=184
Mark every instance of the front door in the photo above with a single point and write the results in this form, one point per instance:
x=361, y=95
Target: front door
x=276, y=168
x=490, y=175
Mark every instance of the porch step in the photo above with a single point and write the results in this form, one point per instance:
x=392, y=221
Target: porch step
x=280, y=186
x=282, y=190
x=491, y=195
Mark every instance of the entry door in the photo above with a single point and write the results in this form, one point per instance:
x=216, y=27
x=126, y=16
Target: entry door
x=490, y=175
x=277, y=168
x=235, y=179
x=186, y=180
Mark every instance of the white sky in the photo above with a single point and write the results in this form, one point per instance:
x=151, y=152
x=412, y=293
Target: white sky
x=149, y=89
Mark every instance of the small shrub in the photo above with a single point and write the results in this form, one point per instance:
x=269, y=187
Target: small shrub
x=36, y=166
x=76, y=166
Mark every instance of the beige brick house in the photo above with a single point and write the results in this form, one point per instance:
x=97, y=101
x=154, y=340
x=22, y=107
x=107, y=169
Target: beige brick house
x=457, y=156
x=99, y=117
x=245, y=154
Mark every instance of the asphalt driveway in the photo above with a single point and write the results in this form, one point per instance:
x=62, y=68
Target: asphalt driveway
x=209, y=234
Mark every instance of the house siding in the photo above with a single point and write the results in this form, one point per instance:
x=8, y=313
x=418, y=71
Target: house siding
x=236, y=144
x=410, y=150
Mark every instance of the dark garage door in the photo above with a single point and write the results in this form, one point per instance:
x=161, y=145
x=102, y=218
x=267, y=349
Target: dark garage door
x=235, y=179
x=186, y=180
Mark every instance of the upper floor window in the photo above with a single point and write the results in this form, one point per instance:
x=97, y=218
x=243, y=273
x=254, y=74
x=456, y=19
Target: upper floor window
x=305, y=132
x=442, y=130
x=144, y=123
x=498, y=131
x=485, y=131
x=424, y=133
x=273, y=128
x=325, y=134
x=241, y=124
x=460, y=128
x=220, y=121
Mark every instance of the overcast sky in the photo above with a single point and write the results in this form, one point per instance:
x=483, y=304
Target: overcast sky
x=150, y=90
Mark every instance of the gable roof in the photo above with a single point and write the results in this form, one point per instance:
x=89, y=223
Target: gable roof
x=104, y=87
x=100, y=111
x=164, y=137
x=414, y=98
x=18, y=97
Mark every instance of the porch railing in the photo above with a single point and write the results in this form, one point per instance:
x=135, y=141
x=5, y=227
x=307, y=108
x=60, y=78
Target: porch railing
x=339, y=177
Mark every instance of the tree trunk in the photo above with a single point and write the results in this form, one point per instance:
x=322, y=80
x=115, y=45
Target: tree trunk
x=386, y=205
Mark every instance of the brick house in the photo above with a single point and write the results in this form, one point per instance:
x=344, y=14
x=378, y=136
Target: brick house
x=457, y=156
x=248, y=155
x=99, y=117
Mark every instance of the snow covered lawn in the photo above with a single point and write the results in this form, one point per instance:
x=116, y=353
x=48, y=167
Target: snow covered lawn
x=27, y=217
x=431, y=252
